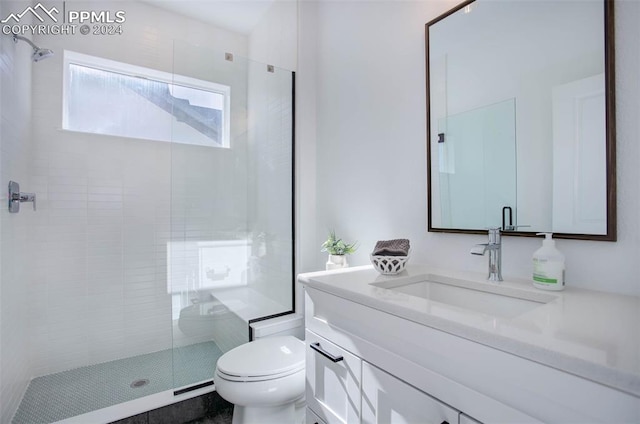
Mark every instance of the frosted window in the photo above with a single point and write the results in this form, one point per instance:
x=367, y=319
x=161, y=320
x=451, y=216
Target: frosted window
x=143, y=106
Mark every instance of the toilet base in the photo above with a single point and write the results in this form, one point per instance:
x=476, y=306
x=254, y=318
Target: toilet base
x=287, y=413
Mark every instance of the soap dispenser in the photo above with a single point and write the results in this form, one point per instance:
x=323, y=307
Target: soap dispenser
x=548, y=265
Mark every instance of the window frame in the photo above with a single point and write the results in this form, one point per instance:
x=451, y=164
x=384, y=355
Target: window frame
x=107, y=65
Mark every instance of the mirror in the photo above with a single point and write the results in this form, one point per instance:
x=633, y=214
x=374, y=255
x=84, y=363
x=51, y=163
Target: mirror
x=520, y=118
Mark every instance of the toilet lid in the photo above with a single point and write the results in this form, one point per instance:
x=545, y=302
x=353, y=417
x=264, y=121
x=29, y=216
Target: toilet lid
x=270, y=357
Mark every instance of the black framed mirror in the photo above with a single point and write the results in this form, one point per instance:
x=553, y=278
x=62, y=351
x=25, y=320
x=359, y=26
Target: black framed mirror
x=521, y=118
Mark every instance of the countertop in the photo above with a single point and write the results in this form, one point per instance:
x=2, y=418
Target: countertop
x=591, y=334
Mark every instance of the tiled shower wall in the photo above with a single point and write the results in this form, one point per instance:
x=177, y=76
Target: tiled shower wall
x=100, y=254
x=15, y=258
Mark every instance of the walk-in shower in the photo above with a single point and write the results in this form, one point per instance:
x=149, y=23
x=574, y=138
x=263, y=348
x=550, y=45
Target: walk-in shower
x=164, y=222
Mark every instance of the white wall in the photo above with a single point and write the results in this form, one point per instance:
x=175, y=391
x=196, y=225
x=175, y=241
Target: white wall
x=274, y=39
x=16, y=242
x=370, y=145
x=306, y=136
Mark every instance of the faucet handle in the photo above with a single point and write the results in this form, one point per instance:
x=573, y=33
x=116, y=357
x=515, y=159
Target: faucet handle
x=494, y=235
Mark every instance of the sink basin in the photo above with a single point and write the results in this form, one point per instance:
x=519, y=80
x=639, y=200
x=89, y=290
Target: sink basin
x=487, y=299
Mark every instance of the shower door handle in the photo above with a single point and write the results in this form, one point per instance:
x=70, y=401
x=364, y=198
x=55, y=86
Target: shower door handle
x=16, y=197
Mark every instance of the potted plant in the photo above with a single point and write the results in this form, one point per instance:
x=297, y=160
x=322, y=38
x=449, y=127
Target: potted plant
x=337, y=250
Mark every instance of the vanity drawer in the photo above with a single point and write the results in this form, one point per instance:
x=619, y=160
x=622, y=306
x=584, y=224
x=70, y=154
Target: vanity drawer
x=386, y=399
x=333, y=381
x=325, y=317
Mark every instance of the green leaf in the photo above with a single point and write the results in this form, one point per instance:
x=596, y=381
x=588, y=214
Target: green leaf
x=336, y=246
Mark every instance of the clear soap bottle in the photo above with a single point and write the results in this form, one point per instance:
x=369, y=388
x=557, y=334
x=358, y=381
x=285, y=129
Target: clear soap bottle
x=548, y=265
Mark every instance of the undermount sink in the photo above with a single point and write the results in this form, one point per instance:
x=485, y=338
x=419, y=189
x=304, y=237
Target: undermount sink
x=494, y=300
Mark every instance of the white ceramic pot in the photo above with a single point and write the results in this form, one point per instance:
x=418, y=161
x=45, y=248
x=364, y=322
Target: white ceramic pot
x=336, y=262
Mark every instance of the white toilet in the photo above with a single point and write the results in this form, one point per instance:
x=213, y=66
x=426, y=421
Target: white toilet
x=264, y=379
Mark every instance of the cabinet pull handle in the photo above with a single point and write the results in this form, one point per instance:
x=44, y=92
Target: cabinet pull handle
x=321, y=351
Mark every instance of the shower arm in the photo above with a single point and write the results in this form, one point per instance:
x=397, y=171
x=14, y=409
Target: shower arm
x=17, y=37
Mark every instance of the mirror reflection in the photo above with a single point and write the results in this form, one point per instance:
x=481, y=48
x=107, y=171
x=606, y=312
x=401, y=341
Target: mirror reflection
x=518, y=135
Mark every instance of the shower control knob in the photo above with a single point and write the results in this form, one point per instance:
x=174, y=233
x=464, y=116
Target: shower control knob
x=16, y=197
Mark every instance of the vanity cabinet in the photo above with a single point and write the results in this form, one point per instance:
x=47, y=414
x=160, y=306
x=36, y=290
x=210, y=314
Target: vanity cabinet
x=395, y=370
x=342, y=388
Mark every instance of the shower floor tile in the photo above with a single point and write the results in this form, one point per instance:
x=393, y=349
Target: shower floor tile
x=66, y=394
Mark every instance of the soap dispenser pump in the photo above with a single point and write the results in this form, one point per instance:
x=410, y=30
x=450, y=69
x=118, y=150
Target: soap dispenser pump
x=548, y=265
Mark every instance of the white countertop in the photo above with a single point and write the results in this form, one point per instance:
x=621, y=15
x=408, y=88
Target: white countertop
x=594, y=335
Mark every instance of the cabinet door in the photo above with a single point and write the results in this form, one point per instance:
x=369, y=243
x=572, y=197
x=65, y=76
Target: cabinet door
x=333, y=381
x=385, y=399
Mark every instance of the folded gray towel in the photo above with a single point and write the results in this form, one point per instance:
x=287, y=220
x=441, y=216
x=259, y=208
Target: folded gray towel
x=397, y=247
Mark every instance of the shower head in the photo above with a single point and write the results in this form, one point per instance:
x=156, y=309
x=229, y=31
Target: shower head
x=38, y=53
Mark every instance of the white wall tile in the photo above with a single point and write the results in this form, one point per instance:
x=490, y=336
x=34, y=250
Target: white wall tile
x=16, y=241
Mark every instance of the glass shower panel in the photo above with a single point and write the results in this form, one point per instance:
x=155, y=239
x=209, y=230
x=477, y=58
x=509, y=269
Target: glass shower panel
x=231, y=243
x=473, y=143
x=270, y=188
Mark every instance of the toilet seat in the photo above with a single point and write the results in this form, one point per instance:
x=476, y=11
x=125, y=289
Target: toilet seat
x=264, y=359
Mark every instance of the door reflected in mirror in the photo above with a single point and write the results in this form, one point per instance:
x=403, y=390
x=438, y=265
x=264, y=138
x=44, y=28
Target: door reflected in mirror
x=521, y=118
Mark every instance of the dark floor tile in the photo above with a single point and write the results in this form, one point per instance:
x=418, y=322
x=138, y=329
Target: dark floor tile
x=207, y=405
x=214, y=404
x=136, y=419
x=224, y=417
x=209, y=408
x=178, y=413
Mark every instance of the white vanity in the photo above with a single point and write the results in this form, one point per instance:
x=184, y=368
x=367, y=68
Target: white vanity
x=429, y=346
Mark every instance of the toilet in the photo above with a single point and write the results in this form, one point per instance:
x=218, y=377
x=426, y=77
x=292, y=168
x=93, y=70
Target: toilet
x=265, y=380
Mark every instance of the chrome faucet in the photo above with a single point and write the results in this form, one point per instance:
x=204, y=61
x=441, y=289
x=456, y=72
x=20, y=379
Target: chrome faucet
x=495, y=254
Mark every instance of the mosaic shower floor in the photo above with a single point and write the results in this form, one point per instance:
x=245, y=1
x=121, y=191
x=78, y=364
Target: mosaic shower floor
x=66, y=394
